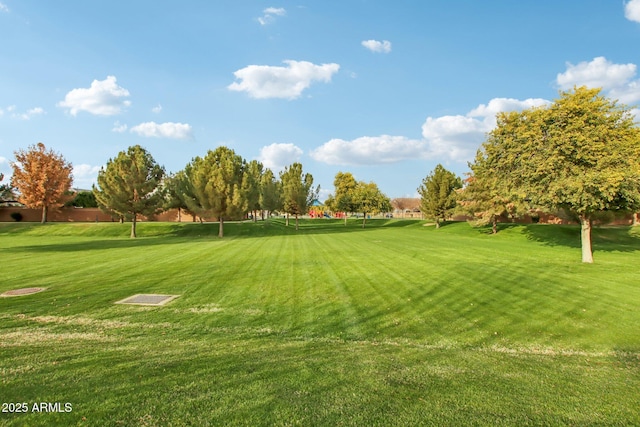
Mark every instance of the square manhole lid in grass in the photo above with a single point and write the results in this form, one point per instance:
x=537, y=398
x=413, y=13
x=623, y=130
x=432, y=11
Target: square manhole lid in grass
x=148, y=299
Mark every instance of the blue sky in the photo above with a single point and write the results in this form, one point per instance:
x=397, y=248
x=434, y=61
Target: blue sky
x=384, y=90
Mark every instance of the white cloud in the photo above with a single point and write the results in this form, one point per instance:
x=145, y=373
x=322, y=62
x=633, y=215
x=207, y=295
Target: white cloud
x=369, y=150
x=458, y=137
x=632, y=10
x=119, y=128
x=4, y=8
x=277, y=156
x=84, y=175
x=32, y=112
x=270, y=13
x=454, y=137
x=103, y=98
x=164, y=130
x=598, y=73
x=157, y=109
x=498, y=105
x=264, y=81
x=377, y=46
x=275, y=11
x=627, y=94
x=616, y=79
x=83, y=170
x=324, y=193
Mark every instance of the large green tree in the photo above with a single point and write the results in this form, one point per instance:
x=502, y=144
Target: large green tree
x=270, y=197
x=297, y=190
x=342, y=200
x=42, y=177
x=580, y=154
x=216, y=182
x=438, y=193
x=251, y=186
x=368, y=199
x=83, y=199
x=129, y=185
x=177, y=191
x=485, y=198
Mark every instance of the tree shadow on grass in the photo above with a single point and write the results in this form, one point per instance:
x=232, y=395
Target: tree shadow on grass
x=92, y=245
x=606, y=238
x=106, y=238
x=330, y=226
x=487, y=228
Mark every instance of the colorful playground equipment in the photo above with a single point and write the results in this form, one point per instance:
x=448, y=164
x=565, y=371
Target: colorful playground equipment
x=318, y=213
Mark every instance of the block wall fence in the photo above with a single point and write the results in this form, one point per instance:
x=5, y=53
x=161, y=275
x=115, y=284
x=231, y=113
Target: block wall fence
x=71, y=214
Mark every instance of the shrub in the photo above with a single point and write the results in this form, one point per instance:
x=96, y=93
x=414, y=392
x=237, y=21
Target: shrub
x=16, y=216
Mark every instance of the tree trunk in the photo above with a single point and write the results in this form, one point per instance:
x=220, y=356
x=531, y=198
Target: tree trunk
x=296, y=222
x=437, y=222
x=179, y=215
x=636, y=219
x=44, y=214
x=287, y=221
x=494, y=224
x=585, y=237
x=133, y=226
x=221, y=228
x=345, y=219
x=364, y=219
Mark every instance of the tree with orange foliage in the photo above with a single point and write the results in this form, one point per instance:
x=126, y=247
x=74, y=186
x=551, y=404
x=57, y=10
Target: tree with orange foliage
x=42, y=177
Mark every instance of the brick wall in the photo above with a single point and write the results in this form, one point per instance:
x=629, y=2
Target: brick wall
x=56, y=215
x=96, y=215
x=82, y=215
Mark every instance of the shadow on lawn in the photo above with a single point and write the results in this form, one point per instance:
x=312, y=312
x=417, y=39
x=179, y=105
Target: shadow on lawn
x=277, y=227
x=608, y=239
x=91, y=245
x=186, y=232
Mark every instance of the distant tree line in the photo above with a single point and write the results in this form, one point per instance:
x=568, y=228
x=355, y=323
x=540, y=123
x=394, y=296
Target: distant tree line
x=353, y=196
x=578, y=156
x=220, y=185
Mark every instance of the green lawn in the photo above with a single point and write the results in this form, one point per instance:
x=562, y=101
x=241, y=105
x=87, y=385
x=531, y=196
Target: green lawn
x=397, y=324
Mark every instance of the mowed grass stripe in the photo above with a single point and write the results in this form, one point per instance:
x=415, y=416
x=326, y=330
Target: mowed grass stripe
x=393, y=325
x=433, y=288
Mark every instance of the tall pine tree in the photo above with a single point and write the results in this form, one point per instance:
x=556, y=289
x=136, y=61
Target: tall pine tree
x=130, y=186
x=216, y=181
x=297, y=191
x=270, y=197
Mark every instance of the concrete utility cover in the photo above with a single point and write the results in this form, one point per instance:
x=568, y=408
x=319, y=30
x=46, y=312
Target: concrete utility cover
x=20, y=292
x=148, y=299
